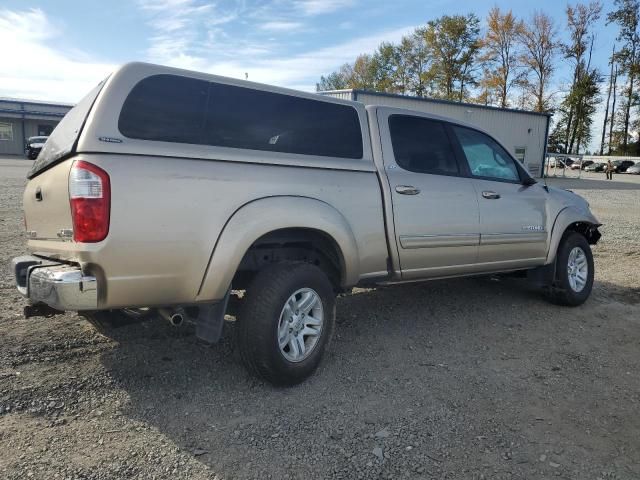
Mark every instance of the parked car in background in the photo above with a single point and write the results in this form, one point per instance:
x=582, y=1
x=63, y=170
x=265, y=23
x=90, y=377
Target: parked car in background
x=34, y=145
x=595, y=167
x=634, y=169
x=620, y=166
x=554, y=162
x=207, y=185
x=581, y=165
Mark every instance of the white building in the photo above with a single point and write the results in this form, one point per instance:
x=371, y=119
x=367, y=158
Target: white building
x=523, y=133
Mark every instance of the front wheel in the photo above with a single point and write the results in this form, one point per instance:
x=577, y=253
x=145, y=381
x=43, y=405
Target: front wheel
x=286, y=322
x=574, y=271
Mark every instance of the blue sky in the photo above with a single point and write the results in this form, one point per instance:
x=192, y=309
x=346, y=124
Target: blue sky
x=58, y=49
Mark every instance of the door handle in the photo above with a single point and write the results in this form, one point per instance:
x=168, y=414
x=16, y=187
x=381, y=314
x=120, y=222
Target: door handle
x=407, y=190
x=490, y=195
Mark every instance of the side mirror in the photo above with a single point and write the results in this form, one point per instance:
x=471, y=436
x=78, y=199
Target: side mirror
x=528, y=181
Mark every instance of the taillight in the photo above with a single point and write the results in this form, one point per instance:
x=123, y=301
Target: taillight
x=90, y=194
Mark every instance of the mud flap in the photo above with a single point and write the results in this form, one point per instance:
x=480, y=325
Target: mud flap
x=210, y=320
x=544, y=276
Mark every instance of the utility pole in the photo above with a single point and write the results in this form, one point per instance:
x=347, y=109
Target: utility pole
x=606, y=111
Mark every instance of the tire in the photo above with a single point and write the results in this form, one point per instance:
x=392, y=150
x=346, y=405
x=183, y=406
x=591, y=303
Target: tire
x=273, y=314
x=573, y=253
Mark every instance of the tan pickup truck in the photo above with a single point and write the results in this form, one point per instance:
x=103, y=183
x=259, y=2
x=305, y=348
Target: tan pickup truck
x=164, y=189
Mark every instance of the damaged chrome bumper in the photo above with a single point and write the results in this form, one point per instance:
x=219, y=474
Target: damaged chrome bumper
x=58, y=285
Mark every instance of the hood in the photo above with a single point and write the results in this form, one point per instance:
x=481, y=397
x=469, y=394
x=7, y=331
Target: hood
x=36, y=145
x=567, y=198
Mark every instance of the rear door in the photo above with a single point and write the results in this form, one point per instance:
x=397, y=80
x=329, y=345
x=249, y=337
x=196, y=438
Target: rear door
x=512, y=215
x=435, y=209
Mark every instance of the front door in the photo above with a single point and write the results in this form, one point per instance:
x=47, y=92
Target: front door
x=512, y=215
x=435, y=208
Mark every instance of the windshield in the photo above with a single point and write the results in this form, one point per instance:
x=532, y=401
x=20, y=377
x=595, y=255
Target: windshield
x=62, y=140
x=38, y=139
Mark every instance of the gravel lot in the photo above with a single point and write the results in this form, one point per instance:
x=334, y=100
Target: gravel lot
x=464, y=379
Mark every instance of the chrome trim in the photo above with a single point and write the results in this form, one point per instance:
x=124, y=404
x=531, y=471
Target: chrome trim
x=407, y=190
x=509, y=238
x=63, y=287
x=65, y=233
x=490, y=195
x=434, y=241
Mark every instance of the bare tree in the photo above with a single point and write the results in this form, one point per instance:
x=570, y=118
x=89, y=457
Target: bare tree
x=539, y=40
x=613, y=109
x=606, y=111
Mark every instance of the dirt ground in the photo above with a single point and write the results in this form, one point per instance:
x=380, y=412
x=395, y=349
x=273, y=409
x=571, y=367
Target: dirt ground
x=462, y=379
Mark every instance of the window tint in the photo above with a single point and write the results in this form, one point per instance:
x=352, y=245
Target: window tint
x=171, y=108
x=485, y=157
x=422, y=145
x=168, y=108
x=62, y=140
x=244, y=118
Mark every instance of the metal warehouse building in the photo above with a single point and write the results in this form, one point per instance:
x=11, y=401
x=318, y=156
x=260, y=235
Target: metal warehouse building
x=21, y=119
x=523, y=133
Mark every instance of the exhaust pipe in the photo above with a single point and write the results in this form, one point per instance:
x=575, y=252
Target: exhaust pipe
x=174, y=316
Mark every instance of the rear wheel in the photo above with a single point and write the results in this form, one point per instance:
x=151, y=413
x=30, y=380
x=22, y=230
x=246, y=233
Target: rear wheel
x=574, y=271
x=286, y=322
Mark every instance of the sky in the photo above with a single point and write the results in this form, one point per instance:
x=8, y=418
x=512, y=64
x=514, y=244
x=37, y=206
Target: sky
x=57, y=50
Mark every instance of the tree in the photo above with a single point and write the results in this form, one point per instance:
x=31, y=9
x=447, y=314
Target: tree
x=540, y=45
x=612, y=81
x=334, y=81
x=613, y=109
x=580, y=19
x=452, y=44
x=499, y=53
x=627, y=16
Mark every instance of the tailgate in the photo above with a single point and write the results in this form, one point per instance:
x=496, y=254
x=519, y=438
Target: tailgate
x=47, y=210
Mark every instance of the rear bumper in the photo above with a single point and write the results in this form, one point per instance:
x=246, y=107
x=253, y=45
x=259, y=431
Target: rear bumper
x=61, y=286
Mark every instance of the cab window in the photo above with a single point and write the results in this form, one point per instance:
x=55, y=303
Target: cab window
x=422, y=145
x=485, y=157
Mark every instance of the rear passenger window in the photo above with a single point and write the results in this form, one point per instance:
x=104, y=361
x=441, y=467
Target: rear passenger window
x=171, y=108
x=422, y=145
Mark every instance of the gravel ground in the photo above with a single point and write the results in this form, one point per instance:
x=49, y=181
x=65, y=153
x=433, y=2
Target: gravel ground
x=461, y=379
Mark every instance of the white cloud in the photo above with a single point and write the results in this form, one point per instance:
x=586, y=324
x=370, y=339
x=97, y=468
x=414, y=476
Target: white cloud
x=32, y=68
x=180, y=26
x=319, y=7
x=303, y=70
x=186, y=38
x=281, y=26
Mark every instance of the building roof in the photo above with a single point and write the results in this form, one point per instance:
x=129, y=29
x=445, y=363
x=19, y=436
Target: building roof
x=355, y=93
x=36, y=102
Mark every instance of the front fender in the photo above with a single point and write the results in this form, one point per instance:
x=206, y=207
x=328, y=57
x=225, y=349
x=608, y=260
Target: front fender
x=265, y=215
x=567, y=216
